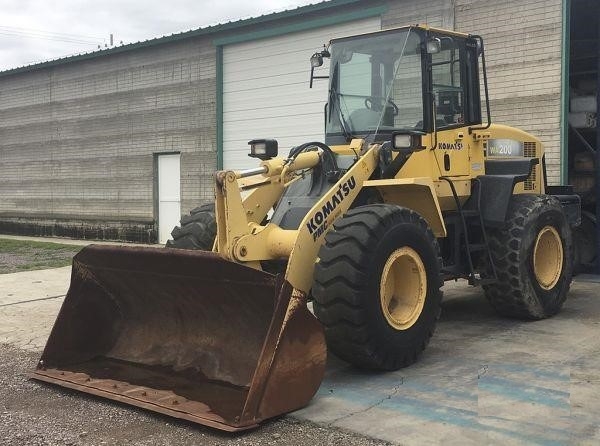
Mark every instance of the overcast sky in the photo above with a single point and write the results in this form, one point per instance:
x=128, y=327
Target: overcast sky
x=33, y=31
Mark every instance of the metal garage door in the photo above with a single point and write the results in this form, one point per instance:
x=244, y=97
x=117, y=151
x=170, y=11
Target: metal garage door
x=266, y=94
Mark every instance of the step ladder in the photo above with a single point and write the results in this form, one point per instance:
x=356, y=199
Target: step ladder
x=469, y=218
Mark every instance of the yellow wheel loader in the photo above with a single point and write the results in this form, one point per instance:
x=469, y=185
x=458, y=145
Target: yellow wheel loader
x=411, y=187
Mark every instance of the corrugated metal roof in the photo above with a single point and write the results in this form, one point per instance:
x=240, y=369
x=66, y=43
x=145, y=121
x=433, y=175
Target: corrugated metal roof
x=213, y=29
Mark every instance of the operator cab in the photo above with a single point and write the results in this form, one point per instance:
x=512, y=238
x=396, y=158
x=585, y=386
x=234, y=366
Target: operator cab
x=393, y=85
x=411, y=79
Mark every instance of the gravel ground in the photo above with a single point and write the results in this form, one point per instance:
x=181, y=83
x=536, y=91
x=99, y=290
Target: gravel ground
x=36, y=414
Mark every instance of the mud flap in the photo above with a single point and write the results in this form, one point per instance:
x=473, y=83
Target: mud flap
x=184, y=333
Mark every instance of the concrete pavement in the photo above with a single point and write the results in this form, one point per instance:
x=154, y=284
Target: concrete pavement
x=29, y=303
x=483, y=379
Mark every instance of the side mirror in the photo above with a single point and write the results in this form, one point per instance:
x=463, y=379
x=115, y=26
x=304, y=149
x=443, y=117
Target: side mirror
x=316, y=61
x=407, y=142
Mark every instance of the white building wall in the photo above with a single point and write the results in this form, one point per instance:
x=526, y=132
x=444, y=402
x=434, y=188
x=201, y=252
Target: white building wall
x=436, y=13
x=266, y=90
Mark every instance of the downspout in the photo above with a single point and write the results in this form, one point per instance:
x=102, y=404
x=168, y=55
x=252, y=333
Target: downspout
x=564, y=95
x=219, y=104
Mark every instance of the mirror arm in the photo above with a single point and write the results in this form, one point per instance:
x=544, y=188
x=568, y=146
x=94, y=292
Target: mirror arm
x=312, y=76
x=316, y=60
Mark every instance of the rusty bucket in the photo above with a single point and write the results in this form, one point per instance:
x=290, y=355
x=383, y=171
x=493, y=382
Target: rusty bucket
x=184, y=333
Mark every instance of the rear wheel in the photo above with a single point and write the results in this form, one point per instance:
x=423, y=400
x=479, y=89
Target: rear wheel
x=377, y=286
x=533, y=259
x=197, y=231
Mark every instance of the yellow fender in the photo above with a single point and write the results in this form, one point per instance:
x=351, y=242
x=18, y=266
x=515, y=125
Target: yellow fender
x=417, y=194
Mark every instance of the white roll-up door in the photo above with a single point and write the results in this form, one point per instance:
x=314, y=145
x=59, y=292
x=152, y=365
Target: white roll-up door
x=266, y=90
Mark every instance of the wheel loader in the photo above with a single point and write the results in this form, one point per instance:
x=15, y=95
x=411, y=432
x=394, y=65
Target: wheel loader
x=411, y=187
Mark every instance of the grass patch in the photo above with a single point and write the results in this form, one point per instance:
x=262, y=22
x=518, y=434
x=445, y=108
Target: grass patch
x=27, y=255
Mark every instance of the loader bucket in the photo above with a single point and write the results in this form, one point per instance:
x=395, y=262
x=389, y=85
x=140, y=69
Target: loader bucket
x=184, y=333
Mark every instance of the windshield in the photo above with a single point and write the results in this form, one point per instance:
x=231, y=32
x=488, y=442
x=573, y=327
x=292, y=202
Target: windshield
x=376, y=84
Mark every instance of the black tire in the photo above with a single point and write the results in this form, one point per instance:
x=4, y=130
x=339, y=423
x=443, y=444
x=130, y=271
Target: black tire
x=197, y=231
x=346, y=287
x=518, y=293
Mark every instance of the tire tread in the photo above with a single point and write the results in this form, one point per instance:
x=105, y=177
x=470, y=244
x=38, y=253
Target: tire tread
x=509, y=296
x=340, y=279
x=196, y=231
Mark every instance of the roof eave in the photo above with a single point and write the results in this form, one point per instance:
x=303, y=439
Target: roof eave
x=214, y=29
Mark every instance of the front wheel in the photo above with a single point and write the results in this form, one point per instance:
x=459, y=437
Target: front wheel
x=377, y=286
x=533, y=256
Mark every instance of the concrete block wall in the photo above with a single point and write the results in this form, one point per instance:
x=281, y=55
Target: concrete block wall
x=523, y=54
x=437, y=13
x=77, y=140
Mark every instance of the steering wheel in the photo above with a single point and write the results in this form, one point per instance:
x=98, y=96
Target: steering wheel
x=375, y=103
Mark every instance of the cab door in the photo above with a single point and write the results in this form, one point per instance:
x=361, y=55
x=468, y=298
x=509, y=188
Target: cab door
x=455, y=91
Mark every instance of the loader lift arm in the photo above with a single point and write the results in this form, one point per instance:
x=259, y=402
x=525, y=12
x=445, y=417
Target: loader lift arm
x=241, y=239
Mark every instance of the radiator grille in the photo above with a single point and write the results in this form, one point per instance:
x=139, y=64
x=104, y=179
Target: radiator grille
x=530, y=151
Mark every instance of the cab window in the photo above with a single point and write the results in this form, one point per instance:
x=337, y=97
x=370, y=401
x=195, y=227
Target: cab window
x=455, y=84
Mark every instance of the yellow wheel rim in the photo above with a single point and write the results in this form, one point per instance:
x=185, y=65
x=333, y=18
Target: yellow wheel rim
x=403, y=288
x=548, y=257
